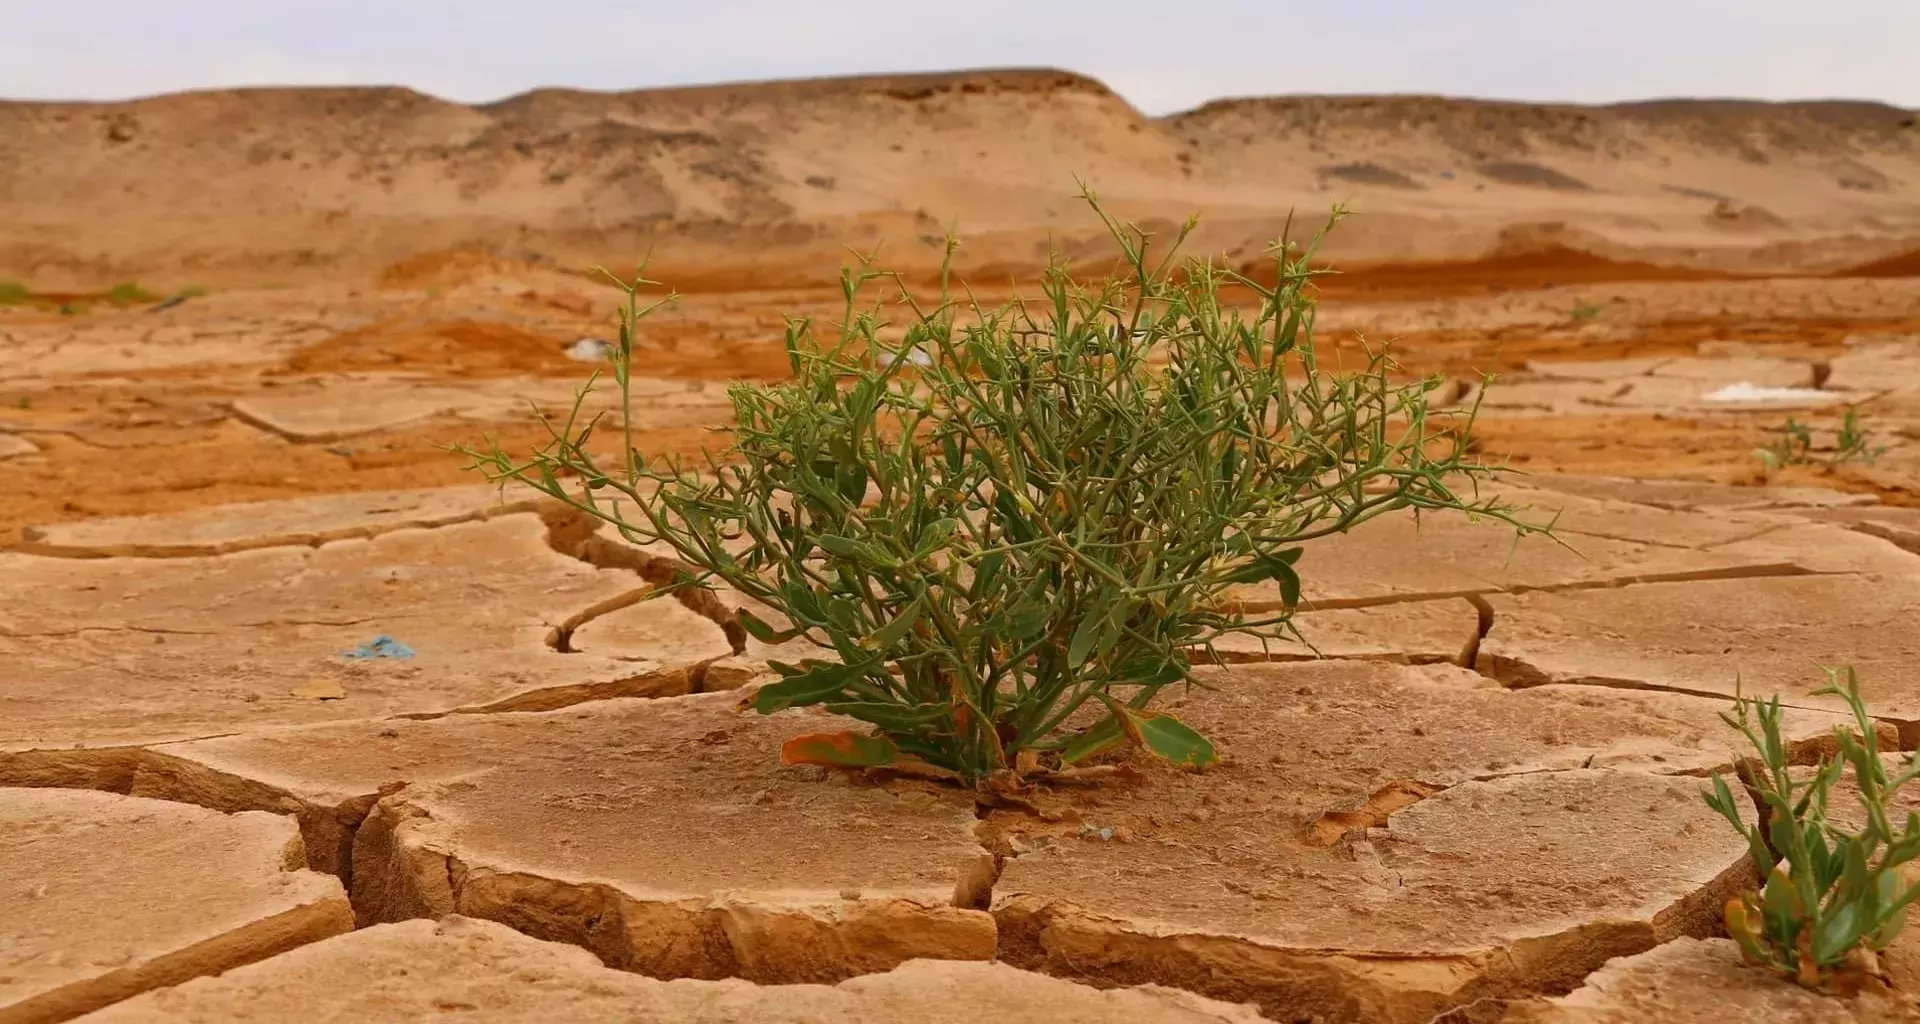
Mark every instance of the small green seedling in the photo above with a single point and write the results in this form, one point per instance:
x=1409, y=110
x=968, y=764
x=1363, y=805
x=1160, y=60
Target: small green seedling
x=1794, y=447
x=1583, y=311
x=1008, y=529
x=1832, y=898
x=1852, y=442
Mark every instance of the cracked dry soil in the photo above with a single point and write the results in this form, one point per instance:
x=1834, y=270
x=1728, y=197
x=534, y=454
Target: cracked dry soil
x=1472, y=795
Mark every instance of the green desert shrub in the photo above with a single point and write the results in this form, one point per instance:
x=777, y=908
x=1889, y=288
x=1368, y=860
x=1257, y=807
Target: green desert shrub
x=1832, y=897
x=128, y=293
x=13, y=293
x=1007, y=529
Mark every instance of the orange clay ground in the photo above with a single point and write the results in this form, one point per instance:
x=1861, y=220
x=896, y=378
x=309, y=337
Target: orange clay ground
x=1475, y=798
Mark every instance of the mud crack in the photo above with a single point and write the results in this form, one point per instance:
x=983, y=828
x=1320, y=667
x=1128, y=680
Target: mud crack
x=45, y=542
x=327, y=830
x=1396, y=795
x=575, y=534
x=1738, y=572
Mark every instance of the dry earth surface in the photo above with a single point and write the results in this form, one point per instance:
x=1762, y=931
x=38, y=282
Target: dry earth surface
x=1473, y=795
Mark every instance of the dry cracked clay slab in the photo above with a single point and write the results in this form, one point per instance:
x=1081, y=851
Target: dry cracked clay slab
x=103, y=897
x=142, y=650
x=664, y=835
x=1699, y=981
x=222, y=529
x=1576, y=517
x=350, y=409
x=461, y=969
x=342, y=409
x=1695, y=495
x=1413, y=632
x=1398, y=558
x=1383, y=843
x=1757, y=636
x=12, y=445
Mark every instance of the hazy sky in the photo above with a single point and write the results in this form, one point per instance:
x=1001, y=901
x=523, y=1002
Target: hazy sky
x=1163, y=55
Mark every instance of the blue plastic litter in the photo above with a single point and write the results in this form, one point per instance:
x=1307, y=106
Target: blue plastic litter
x=382, y=646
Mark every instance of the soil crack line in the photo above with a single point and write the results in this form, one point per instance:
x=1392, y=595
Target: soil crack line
x=1740, y=572
x=313, y=541
x=166, y=631
x=575, y=534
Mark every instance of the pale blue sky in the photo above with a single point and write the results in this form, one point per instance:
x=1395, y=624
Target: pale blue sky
x=1163, y=55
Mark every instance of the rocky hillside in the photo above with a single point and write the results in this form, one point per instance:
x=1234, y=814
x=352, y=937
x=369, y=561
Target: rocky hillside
x=761, y=185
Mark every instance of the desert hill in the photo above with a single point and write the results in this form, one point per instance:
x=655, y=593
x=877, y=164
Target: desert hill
x=762, y=185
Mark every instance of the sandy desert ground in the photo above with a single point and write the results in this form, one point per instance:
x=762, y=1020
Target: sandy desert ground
x=1479, y=802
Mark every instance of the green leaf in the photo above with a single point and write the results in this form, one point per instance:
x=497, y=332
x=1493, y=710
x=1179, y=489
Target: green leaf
x=851, y=482
x=894, y=717
x=844, y=612
x=935, y=536
x=841, y=546
x=1098, y=740
x=1838, y=933
x=1827, y=864
x=1781, y=829
x=816, y=682
x=824, y=472
x=801, y=600
x=760, y=630
x=1171, y=738
x=1028, y=617
x=893, y=632
x=985, y=574
x=1894, y=900
x=1780, y=902
x=1266, y=566
x=1084, y=636
x=840, y=750
x=1855, y=876
x=1017, y=524
x=1153, y=668
x=1889, y=929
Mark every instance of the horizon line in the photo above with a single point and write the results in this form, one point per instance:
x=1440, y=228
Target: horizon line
x=955, y=75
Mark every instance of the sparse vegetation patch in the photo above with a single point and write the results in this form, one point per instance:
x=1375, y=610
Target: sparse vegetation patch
x=128, y=293
x=1794, y=445
x=1832, y=897
x=1009, y=529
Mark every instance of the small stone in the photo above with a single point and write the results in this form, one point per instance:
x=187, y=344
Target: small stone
x=320, y=689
